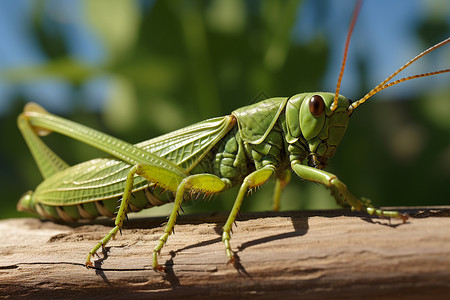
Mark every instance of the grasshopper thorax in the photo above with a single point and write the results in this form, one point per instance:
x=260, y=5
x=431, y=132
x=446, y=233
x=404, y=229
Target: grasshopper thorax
x=310, y=119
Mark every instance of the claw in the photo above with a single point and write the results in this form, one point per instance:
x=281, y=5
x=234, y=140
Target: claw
x=404, y=217
x=232, y=261
x=160, y=268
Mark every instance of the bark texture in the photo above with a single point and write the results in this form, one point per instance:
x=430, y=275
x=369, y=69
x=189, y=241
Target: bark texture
x=307, y=255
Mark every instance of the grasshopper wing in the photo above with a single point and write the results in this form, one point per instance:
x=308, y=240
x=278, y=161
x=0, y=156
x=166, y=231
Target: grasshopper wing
x=187, y=146
x=105, y=178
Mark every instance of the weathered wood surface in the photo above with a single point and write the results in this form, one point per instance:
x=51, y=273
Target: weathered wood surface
x=307, y=255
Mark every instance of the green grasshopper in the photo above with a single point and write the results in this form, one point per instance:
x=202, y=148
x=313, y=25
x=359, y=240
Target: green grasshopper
x=247, y=148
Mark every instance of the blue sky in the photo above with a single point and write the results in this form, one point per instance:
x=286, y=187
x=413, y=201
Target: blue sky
x=383, y=37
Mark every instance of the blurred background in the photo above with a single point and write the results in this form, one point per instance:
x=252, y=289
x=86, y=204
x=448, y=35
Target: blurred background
x=138, y=69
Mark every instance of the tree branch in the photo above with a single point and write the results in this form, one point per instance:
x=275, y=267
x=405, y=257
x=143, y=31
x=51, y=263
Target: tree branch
x=313, y=254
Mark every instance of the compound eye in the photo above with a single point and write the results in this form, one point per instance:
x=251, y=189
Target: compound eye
x=316, y=105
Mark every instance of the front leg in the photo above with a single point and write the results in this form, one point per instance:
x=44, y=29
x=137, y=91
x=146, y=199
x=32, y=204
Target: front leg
x=340, y=191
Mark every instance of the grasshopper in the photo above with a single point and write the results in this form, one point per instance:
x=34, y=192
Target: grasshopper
x=253, y=144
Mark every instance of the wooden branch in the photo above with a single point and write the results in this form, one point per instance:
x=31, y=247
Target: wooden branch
x=314, y=254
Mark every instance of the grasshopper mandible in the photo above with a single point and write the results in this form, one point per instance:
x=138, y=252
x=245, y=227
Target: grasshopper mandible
x=247, y=148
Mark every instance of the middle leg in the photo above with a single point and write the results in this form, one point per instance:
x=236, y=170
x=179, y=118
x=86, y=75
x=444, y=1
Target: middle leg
x=199, y=183
x=254, y=179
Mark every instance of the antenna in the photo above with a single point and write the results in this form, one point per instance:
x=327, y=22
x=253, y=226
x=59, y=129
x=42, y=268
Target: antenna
x=386, y=83
x=349, y=34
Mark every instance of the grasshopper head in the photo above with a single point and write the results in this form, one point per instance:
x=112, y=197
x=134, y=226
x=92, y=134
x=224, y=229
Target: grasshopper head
x=309, y=117
x=322, y=118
